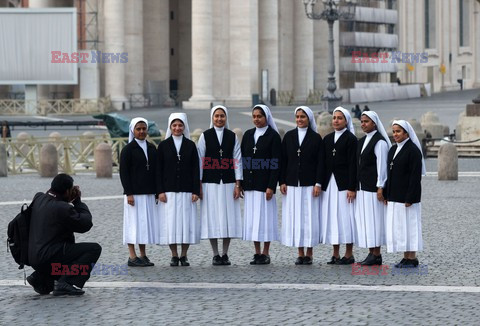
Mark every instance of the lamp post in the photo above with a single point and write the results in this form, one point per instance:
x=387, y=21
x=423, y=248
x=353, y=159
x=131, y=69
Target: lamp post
x=332, y=10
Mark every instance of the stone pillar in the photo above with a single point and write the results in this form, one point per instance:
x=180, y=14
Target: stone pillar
x=3, y=161
x=303, y=56
x=202, y=59
x=431, y=124
x=476, y=43
x=447, y=162
x=320, y=54
x=184, y=52
x=48, y=161
x=286, y=45
x=268, y=50
x=134, y=46
x=89, y=78
x=156, y=45
x=324, y=124
x=243, y=52
x=115, y=42
x=103, y=160
x=239, y=133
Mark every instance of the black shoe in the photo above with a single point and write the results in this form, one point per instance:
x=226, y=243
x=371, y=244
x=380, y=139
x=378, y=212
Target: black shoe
x=147, y=261
x=217, y=260
x=225, y=260
x=370, y=260
x=333, y=261
x=378, y=260
x=63, y=288
x=184, y=261
x=299, y=261
x=346, y=261
x=366, y=258
x=307, y=260
x=410, y=263
x=174, y=261
x=255, y=260
x=136, y=262
x=401, y=263
x=41, y=287
x=263, y=260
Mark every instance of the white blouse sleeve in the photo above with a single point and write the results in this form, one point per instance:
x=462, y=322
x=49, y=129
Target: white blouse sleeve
x=381, y=152
x=201, y=147
x=237, y=156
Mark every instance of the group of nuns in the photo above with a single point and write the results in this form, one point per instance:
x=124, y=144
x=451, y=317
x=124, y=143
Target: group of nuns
x=336, y=190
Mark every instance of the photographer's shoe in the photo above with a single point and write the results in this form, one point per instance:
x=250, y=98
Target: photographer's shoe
x=63, y=288
x=38, y=285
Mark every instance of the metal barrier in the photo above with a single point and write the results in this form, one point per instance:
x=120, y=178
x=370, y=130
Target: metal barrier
x=75, y=154
x=285, y=98
x=57, y=106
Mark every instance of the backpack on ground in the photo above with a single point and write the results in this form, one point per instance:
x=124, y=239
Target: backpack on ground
x=18, y=235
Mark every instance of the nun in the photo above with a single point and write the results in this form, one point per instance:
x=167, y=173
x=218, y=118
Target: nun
x=261, y=151
x=339, y=186
x=300, y=184
x=179, y=189
x=402, y=194
x=372, y=151
x=137, y=174
x=221, y=174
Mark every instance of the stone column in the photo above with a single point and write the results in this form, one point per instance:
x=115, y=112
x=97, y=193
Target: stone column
x=476, y=43
x=134, y=46
x=286, y=45
x=268, y=50
x=202, y=59
x=184, y=52
x=320, y=54
x=303, y=56
x=156, y=44
x=115, y=42
x=103, y=160
x=48, y=161
x=243, y=52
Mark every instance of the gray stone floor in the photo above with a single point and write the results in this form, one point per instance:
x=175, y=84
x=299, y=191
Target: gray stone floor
x=450, y=229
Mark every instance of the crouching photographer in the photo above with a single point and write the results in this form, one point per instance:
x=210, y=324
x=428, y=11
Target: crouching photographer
x=60, y=264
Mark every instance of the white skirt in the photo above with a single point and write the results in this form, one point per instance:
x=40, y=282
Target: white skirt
x=338, y=216
x=178, y=219
x=140, y=222
x=369, y=220
x=404, y=227
x=221, y=214
x=260, y=221
x=300, y=217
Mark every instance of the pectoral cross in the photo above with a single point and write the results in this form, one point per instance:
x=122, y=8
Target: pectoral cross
x=221, y=152
x=148, y=166
x=391, y=165
x=254, y=149
x=334, y=151
x=298, y=152
x=178, y=155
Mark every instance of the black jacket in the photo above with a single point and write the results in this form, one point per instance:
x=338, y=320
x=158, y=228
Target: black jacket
x=52, y=224
x=136, y=178
x=367, y=174
x=261, y=169
x=404, y=175
x=213, y=169
x=340, y=159
x=307, y=166
x=176, y=175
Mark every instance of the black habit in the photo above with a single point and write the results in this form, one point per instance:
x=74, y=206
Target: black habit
x=178, y=174
x=304, y=163
x=341, y=160
x=261, y=161
x=137, y=175
x=367, y=174
x=404, y=174
x=216, y=155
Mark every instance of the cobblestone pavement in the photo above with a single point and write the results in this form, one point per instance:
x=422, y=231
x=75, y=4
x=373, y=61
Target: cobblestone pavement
x=450, y=229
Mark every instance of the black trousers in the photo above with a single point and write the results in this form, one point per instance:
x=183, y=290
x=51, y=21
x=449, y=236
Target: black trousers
x=72, y=264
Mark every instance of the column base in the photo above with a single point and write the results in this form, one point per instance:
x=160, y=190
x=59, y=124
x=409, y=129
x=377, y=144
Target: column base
x=120, y=103
x=198, y=102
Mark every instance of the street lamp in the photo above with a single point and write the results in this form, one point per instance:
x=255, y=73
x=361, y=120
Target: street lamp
x=332, y=10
